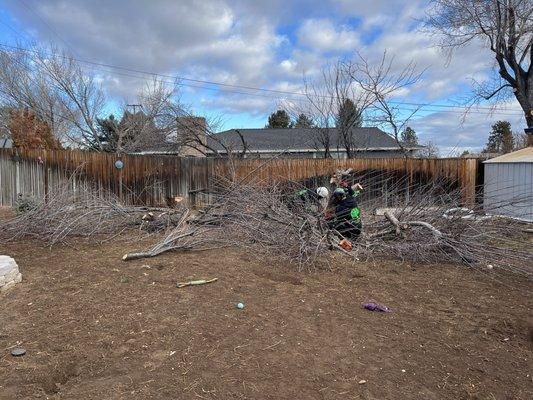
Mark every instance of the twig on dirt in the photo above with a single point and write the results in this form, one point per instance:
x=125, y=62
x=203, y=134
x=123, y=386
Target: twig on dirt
x=274, y=345
x=195, y=283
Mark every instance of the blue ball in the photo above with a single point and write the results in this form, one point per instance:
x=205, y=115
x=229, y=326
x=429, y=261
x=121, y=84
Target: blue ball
x=240, y=306
x=119, y=164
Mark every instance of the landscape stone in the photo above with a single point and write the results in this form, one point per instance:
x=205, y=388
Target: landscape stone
x=9, y=273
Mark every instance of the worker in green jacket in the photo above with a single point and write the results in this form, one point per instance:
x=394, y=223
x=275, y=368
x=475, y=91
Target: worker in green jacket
x=346, y=218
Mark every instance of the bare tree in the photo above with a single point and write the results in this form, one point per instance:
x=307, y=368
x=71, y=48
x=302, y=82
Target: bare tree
x=519, y=140
x=370, y=87
x=429, y=150
x=326, y=98
x=381, y=82
x=79, y=94
x=320, y=107
x=155, y=126
x=22, y=86
x=506, y=28
x=70, y=100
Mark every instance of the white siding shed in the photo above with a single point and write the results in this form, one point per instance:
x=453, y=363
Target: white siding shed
x=508, y=185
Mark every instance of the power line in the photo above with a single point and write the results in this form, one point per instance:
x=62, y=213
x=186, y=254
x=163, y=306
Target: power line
x=221, y=84
x=69, y=119
x=300, y=100
x=48, y=26
x=407, y=106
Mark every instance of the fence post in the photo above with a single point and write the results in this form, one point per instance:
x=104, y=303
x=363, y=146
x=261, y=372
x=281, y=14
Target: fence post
x=45, y=172
x=468, y=184
x=17, y=177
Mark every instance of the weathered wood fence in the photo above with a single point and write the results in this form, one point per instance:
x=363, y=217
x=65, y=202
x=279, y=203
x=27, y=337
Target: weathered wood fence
x=156, y=180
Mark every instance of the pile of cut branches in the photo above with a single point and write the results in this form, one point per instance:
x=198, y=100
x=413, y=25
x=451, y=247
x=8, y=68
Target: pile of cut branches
x=259, y=219
x=431, y=225
x=427, y=224
x=84, y=212
x=433, y=229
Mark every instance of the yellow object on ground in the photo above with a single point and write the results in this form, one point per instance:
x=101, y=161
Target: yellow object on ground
x=198, y=282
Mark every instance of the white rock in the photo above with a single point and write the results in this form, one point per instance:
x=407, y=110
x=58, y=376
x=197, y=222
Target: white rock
x=9, y=272
x=11, y=275
x=7, y=286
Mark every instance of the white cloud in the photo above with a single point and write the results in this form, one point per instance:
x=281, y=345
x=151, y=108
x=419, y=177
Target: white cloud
x=382, y=13
x=169, y=37
x=322, y=35
x=262, y=43
x=449, y=131
x=236, y=104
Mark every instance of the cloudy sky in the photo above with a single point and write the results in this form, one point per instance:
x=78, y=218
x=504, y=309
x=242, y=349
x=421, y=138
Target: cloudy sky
x=268, y=44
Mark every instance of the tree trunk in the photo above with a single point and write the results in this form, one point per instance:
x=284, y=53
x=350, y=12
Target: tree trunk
x=529, y=120
x=523, y=98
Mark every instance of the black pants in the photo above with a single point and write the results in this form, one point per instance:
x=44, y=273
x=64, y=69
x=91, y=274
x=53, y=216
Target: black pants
x=350, y=229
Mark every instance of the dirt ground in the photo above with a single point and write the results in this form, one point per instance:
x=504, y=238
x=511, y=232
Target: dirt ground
x=96, y=327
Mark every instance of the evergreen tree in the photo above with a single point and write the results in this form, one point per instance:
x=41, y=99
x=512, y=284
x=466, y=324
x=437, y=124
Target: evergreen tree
x=409, y=137
x=500, y=138
x=348, y=116
x=279, y=119
x=303, y=121
x=108, y=134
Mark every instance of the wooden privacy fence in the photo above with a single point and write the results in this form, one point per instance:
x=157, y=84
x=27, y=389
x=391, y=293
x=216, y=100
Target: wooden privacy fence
x=156, y=180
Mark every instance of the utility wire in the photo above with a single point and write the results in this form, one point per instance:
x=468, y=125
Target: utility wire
x=179, y=79
x=47, y=25
x=405, y=107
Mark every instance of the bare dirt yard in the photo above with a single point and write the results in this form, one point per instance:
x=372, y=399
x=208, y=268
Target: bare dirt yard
x=96, y=327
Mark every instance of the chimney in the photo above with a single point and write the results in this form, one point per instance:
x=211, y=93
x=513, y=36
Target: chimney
x=529, y=134
x=191, y=130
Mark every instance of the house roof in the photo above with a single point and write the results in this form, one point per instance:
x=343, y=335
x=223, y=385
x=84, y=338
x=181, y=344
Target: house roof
x=519, y=156
x=300, y=139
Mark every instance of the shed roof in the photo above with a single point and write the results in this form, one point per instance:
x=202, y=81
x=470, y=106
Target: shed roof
x=520, y=156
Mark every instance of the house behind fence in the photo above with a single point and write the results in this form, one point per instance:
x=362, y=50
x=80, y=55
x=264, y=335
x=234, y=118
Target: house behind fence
x=366, y=142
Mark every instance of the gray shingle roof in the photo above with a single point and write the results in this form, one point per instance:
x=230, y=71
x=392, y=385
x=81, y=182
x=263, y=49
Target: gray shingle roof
x=299, y=139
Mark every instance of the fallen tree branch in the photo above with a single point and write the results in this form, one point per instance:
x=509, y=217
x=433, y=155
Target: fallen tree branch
x=435, y=231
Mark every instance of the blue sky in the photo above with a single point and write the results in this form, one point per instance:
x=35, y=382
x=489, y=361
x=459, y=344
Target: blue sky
x=267, y=44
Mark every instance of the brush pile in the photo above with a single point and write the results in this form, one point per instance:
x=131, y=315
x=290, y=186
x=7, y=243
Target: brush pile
x=428, y=225
x=263, y=220
x=84, y=212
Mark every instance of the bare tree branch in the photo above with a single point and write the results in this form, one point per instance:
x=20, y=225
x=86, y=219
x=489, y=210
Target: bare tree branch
x=505, y=25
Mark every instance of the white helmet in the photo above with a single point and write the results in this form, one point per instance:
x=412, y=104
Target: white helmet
x=322, y=192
